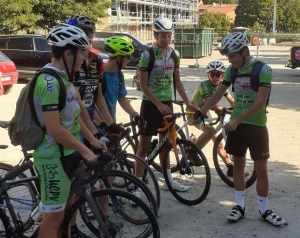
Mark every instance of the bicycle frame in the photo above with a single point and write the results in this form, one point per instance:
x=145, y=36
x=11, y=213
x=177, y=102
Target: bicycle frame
x=219, y=127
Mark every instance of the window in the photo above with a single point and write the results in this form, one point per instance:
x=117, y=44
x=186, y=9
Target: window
x=41, y=44
x=20, y=43
x=3, y=58
x=3, y=43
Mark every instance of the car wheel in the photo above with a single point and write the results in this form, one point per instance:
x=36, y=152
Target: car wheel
x=7, y=89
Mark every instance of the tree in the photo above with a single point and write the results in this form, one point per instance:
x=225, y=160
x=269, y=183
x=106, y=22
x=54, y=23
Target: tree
x=218, y=21
x=57, y=11
x=250, y=11
x=17, y=15
x=219, y=1
x=32, y=14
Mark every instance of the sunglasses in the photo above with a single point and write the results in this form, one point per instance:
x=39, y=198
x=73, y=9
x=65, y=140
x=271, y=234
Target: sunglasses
x=215, y=74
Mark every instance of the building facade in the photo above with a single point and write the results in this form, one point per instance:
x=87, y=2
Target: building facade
x=136, y=16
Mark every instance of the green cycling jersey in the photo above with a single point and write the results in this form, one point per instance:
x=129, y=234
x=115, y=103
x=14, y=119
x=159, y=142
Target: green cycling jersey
x=244, y=95
x=161, y=76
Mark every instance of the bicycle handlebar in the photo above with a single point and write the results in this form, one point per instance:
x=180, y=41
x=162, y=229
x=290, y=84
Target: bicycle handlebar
x=171, y=118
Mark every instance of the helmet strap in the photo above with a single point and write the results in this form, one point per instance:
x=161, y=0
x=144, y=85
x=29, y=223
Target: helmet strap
x=119, y=68
x=72, y=73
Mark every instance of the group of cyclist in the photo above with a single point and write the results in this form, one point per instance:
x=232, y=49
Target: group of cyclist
x=90, y=84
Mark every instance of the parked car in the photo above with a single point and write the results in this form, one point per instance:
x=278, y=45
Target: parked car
x=139, y=45
x=9, y=74
x=294, y=60
x=29, y=52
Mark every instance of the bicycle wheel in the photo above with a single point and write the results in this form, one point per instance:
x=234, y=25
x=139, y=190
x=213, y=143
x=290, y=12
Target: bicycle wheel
x=128, y=227
x=222, y=169
x=23, y=197
x=126, y=163
x=196, y=179
x=5, y=226
x=133, y=184
x=157, y=166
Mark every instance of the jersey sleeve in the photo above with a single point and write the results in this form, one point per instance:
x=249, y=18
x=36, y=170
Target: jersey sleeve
x=227, y=79
x=204, y=90
x=144, y=61
x=265, y=76
x=122, y=88
x=47, y=89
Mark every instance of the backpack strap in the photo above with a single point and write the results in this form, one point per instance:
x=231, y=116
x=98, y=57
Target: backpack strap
x=151, y=60
x=174, y=57
x=255, y=75
x=233, y=76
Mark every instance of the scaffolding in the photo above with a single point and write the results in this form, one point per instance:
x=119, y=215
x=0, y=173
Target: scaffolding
x=136, y=16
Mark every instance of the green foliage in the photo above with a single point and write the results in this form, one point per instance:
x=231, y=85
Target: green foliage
x=218, y=21
x=220, y=1
x=30, y=15
x=249, y=12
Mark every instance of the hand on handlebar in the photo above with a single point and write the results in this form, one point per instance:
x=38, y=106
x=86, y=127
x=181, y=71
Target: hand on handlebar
x=97, y=143
x=89, y=155
x=140, y=122
x=164, y=109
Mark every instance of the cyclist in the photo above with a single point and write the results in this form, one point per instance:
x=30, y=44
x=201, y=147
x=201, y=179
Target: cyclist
x=247, y=127
x=56, y=158
x=215, y=71
x=119, y=50
x=157, y=90
x=90, y=81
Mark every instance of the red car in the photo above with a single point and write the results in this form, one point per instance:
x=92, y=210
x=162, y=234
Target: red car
x=9, y=73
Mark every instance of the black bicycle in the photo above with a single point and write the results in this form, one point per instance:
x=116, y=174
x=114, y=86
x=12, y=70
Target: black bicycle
x=13, y=227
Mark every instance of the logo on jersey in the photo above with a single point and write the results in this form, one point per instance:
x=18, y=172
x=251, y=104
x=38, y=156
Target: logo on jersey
x=88, y=99
x=49, y=80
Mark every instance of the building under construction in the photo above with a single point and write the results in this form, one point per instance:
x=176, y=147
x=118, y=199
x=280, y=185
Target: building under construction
x=136, y=16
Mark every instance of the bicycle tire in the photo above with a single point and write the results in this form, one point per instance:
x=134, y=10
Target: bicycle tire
x=6, y=231
x=249, y=181
x=27, y=221
x=154, y=229
x=174, y=168
x=190, y=171
x=143, y=186
x=132, y=182
x=127, y=162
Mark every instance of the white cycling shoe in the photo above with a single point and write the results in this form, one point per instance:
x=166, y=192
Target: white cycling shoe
x=176, y=186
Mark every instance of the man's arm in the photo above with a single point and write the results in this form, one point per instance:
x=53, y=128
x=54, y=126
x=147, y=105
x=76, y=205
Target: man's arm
x=126, y=106
x=214, y=99
x=84, y=115
x=230, y=99
x=61, y=134
x=102, y=107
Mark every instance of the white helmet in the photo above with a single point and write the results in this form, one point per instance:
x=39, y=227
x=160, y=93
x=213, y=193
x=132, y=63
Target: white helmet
x=233, y=43
x=215, y=66
x=162, y=25
x=64, y=34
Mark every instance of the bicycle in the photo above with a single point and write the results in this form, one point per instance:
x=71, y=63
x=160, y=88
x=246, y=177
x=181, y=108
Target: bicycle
x=131, y=183
x=15, y=228
x=220, y=140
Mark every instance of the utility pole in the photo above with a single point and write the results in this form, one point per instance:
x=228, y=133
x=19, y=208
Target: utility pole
x=274, y=17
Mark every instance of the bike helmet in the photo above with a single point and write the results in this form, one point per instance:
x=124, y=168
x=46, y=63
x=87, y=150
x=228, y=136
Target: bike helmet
x=233, y=43
x=64, y=34
x=82, y=21
x=162, y=25
x=118, y=46
x=215, y=66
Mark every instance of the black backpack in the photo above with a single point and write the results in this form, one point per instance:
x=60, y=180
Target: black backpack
x=24, y=128
x=136, y=77
x=254, y=77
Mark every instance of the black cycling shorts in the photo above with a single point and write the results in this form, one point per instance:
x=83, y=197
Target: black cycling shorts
x=153, y=116
x=246, y=136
